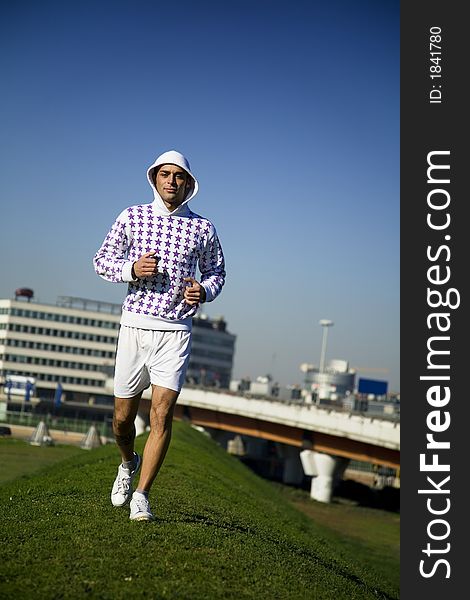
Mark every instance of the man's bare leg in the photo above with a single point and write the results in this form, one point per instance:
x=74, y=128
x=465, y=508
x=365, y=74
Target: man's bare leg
x=125, y=411
x=161, y=421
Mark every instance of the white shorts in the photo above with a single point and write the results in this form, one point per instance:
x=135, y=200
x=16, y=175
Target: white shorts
x=145, y=357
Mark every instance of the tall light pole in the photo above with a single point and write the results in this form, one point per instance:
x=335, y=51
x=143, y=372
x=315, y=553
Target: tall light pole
x=325, y=323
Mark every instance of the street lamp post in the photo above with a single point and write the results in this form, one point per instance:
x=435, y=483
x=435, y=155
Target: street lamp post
x=325, y=323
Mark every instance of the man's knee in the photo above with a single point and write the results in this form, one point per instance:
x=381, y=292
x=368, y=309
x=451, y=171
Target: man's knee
x=124, y=412
x=161, y=417
x=124, y=432
x=162, y=409
x=121, y=421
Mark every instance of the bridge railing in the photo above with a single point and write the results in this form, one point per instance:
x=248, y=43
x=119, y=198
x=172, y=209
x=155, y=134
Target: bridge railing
x=387, y=410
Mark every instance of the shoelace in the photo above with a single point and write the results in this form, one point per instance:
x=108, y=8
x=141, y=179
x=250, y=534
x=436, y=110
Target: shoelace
x=142, y=504
x=124, y=482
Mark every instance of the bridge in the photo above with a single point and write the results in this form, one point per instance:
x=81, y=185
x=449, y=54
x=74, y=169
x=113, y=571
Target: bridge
x=325, y=438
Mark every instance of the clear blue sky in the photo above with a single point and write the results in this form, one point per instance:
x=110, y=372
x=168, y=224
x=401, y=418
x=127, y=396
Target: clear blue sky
x=289, y=115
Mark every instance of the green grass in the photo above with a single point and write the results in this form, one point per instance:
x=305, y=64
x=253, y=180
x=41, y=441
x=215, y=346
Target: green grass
x=20, y=459
x=221, y=532
x=372, y=534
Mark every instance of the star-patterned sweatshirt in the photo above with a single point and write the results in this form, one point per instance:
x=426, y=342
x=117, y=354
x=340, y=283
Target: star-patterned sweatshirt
x=182, y=240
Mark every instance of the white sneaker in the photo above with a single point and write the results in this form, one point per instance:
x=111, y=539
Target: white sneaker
x=140, y=508
x=122, y=487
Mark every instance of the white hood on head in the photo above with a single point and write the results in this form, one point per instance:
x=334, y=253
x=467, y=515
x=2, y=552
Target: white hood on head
x=172, y=157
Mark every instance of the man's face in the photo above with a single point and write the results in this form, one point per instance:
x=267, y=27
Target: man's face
x=172, y=183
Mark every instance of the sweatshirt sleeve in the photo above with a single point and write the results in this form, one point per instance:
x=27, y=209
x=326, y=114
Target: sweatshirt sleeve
x=212, y=266
x=111, y=262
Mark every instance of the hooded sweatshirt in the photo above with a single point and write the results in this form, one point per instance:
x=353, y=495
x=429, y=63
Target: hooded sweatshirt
x=182, y=240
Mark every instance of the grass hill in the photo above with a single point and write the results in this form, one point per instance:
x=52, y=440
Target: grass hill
x=220, y=532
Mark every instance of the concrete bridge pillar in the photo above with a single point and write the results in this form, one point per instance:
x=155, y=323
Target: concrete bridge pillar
x=236, y=446
x=326, y=470
x=141, y=421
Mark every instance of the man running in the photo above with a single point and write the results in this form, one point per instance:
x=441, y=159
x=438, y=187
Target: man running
x=155, y=248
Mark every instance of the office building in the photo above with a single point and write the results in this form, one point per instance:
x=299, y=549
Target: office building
x=73, y=343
